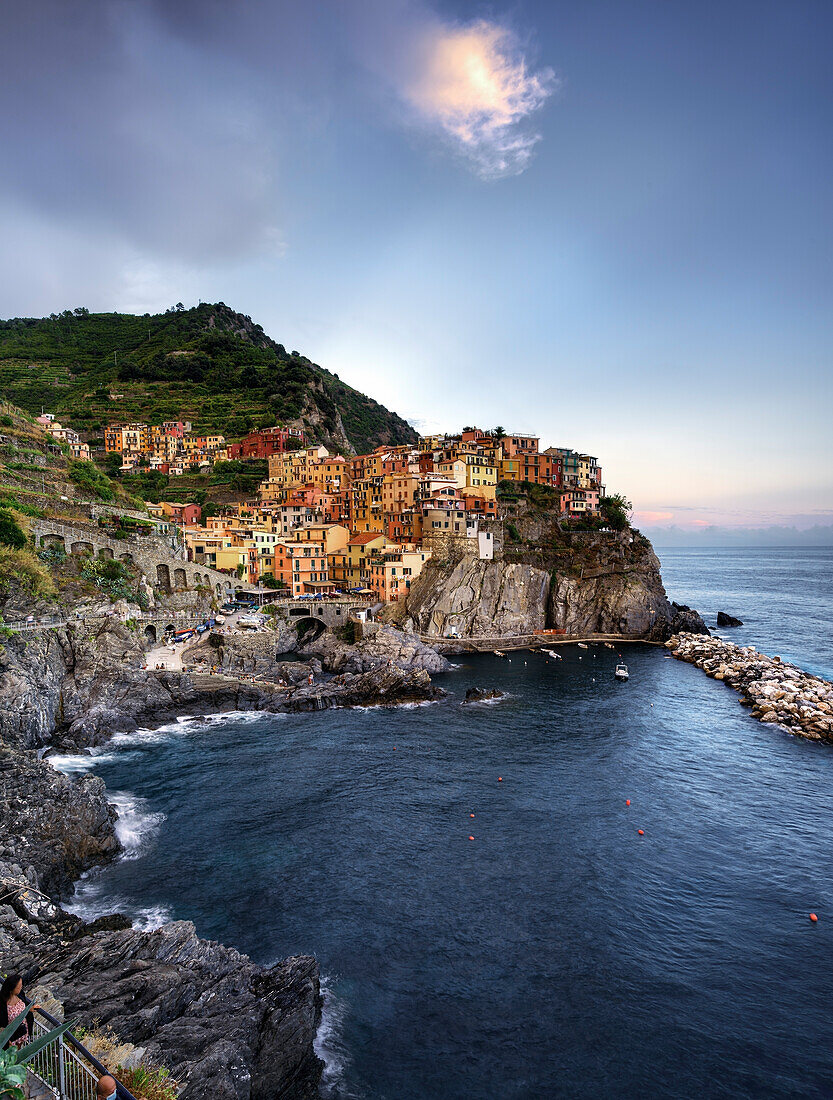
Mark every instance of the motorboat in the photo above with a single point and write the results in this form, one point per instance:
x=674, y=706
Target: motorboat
x=552, y=653
x=621, y=672
x=609, y=645
x=581, y=645
x=499, y=653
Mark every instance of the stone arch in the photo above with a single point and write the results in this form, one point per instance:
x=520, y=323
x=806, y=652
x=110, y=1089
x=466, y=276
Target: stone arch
x=150, y=633
x=180, y=579
x=163, y=577
x=309, y=629
x=218, y=588
x=127, y=559
x=105, y=552
x=50, y=541
x=82, y=547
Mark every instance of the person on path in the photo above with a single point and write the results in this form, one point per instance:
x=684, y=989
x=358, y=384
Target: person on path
x=12, y=1004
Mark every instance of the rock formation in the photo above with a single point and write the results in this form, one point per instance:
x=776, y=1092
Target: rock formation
x=600, y=582
x=227, y=1028
x=728, y=620
x=686, y=620
x=482, y=695
x=777, y=692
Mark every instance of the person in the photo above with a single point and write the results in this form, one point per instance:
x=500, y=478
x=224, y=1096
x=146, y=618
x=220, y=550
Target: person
x=12, y=1004
x=107, y=1088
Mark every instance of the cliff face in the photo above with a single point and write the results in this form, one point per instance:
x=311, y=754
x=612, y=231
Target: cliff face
x=581, y=583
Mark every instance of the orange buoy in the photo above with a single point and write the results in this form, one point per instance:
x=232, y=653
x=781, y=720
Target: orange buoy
x=500, y=779
x=641, y=832
x=471, y=815
x=471, y=838
x=627, y=802
x=813, y=918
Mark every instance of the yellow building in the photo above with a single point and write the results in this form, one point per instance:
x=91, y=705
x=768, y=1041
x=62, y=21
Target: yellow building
x=332, y=536
x=349, y=566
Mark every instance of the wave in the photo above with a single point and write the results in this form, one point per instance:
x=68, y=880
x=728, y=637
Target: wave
x=330, y=1047
x=397, y=706
x=90, y=902
x=490, y=702
x=78, y=763
x=136, y=824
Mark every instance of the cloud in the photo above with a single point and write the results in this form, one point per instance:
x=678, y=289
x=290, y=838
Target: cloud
x=473, y=85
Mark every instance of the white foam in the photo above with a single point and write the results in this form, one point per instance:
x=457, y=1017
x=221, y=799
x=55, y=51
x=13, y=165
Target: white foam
x=489, y=702
x=90, y=902
x=136, y=824
x=330, y=1047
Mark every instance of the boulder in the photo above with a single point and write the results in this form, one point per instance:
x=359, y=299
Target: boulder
x=482, y=695
x=686, y=620
x=723, y=619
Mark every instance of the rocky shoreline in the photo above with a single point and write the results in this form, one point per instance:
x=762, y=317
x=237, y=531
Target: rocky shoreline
x=227, y=1028
x=778, y=692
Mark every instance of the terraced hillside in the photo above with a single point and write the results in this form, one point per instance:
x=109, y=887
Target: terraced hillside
x=209, y=365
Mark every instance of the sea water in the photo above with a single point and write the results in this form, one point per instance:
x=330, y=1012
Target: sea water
x=558, y=952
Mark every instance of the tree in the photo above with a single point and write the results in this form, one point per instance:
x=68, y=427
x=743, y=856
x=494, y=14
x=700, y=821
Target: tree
x=499, y=432
x=269, y=581
x=616, y=511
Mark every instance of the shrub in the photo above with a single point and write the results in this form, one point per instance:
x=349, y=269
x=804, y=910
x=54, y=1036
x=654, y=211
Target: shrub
x=25, y=568
x=149, y=1082
x=11, y=533
x=512, y=532
x=87, y=476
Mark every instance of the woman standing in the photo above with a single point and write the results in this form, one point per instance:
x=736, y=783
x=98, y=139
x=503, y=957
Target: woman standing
x=12, y=1004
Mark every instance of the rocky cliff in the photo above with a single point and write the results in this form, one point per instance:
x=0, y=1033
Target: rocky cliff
x=228, y=1028
x=579, y=583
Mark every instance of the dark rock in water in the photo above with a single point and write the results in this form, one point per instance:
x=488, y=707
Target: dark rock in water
x=229, y=1029
x=728, y=620
x=383, y=687
x=687, y=621
x=480, y=695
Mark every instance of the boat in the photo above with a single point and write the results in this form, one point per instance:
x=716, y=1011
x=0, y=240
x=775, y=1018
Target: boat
x=581, y=645
x=621, y=672
x=499, y=653
x=552, y=653
x=609, y=645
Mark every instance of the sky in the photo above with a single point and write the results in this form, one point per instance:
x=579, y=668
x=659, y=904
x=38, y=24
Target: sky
x=608, y=223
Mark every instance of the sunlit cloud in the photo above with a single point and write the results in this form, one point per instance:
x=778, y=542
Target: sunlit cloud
x=474, y=86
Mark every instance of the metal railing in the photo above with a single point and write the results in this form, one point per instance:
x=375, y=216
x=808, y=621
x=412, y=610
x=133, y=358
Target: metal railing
x=65, y=1066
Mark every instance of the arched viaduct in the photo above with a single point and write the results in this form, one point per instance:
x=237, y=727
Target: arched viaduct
x=162, y=569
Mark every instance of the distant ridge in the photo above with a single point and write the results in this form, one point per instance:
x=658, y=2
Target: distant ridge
x=208, y=364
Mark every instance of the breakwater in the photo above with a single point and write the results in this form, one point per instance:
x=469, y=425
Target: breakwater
x=777, y=691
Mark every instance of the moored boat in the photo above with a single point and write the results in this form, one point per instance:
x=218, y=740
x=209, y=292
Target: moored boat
x=621, y=672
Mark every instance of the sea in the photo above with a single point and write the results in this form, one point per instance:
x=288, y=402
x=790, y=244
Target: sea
x=585, y=889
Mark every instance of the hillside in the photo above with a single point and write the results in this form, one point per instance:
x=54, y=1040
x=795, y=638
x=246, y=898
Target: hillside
x=38, y=480
x=209, y=365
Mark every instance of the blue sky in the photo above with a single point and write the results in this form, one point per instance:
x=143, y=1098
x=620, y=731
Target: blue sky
x=607, y=223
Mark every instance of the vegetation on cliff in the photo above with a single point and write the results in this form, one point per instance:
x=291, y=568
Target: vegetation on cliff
x=208, y=364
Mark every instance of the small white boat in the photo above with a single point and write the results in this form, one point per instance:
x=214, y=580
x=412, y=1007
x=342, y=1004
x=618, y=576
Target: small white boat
x=551, y=653
x=581, y=645
x=609, y=645
x=621, y=672
x=499, y=653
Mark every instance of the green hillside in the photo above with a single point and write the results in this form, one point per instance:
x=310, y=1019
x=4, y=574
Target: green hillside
x=208, y=364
